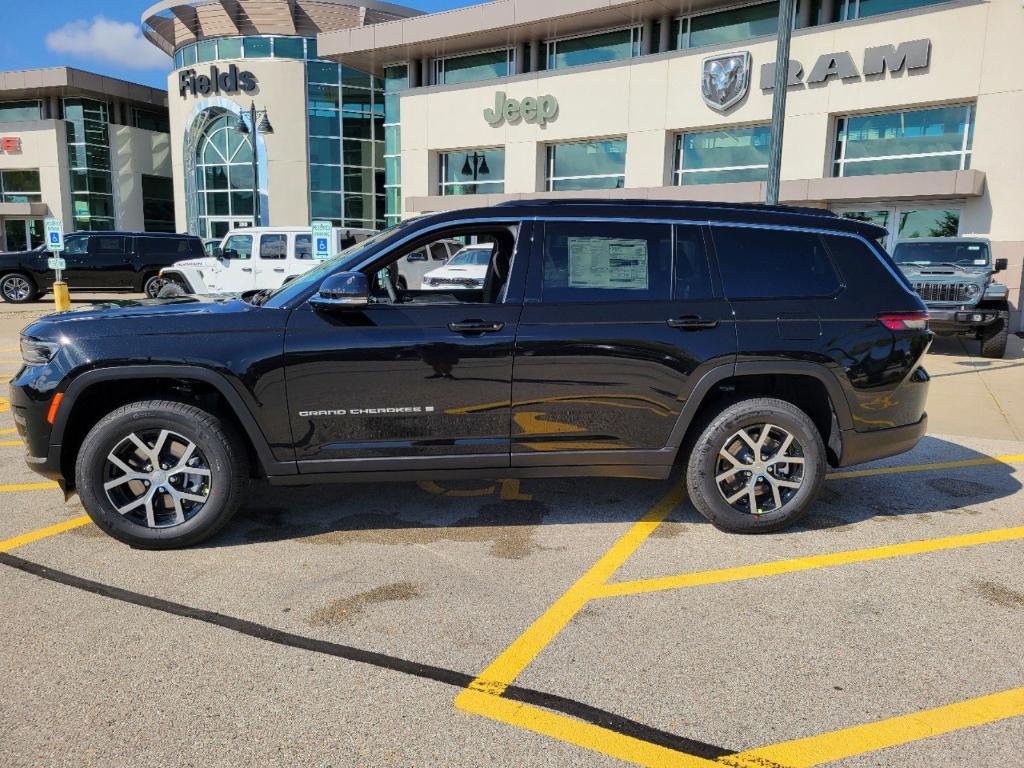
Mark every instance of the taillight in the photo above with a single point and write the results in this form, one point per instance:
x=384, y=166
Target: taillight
x=904, y=321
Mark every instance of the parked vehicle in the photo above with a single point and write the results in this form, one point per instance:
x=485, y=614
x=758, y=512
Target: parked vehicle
x=466, y=269
x=754, y=346
x=955, y=277
x=253, y=258
x=413, y=266
x=97, y=261
x=212, y=246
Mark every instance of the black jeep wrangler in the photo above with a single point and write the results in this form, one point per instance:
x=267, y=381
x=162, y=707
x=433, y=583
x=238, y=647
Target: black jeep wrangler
x=754, y=346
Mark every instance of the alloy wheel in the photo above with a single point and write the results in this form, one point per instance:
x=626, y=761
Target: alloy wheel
x=759, y=469
x=16, y=288
x=157, y=478
x=153, y=286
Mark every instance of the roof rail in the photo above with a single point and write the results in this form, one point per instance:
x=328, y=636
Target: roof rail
x=646, y=203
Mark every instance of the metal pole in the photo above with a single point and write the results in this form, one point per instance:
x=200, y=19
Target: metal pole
x=255, y=167
x=786, y=11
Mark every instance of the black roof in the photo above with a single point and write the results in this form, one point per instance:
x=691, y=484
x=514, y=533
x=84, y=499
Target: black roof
x=748, y=213
x=119, y=233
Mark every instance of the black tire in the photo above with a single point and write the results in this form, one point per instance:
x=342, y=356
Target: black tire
x=171, y=290
x=216, y=441
x=18, y=288
x=152, y=286
x=993, y=339
x=704, y=459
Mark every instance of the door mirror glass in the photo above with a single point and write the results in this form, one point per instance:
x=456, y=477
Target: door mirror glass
x=344, y=290
x=1001, y=264
x=228, y=254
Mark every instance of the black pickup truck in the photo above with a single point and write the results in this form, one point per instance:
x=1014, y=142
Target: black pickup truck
x=97, y=261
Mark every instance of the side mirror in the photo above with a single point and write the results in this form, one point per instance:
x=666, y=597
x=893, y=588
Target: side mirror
x=218, y=252
x=1001, y=265
x=416, y=256
x=227, y=253
x=344, y=290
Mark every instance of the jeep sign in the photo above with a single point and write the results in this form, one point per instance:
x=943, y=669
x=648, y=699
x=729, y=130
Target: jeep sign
x=231, y=81
x=914, y=54
x=530, y=110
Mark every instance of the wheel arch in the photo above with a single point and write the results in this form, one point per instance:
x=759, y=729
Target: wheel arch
x=179, y=276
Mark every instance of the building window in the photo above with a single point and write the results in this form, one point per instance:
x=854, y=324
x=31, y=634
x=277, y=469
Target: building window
x=345, y=115
x=591, y=49
x=20, y=187
x=728, y=26
x=224, y=176
x=937, y=139
x=88, y=142
x=249, y=47
x=473, y=172
x=158, y=204
x=151, y=120
x=859, y=9
x=474, y=66
x=722, y=156
x=396, y=80
x=20, y=111
x=908, y=222
x=586, y=165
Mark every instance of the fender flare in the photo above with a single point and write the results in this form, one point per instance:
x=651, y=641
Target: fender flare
x=238, y=407
x=178, y=276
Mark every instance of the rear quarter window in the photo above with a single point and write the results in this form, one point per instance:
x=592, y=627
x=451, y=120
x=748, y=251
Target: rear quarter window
x=760, y=263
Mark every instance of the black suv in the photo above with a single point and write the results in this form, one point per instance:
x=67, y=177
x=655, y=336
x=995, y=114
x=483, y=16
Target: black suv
x=97, y=261
x=755, y=346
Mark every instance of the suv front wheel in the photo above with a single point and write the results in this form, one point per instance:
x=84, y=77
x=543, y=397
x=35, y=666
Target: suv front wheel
x=757, y=467
x=161, y=474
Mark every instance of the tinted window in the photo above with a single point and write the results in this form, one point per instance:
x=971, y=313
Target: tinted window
x=76, y=245
x=438, y=252
x=147, y=246
x=107, y=245
x=273, y=246
x=303, y=246
x=693, y=275
x=772, y=263
x=607, y=261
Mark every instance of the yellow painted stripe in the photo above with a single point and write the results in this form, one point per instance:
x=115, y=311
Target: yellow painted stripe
x=827, y=747
x=504, y=670
x=5, y=404
x=577, y=732
x=1013, y=458
x=10, y=443
x=9, y=431
x=26, y=487
x=777, y=567
x=43, y=533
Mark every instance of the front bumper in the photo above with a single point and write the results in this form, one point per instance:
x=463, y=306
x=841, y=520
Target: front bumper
x=30, y=408
x=861, y=447
x=956, y=319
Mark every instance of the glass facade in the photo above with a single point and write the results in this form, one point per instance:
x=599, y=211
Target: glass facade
x=151, y=120
x=88, y=143
x=591, y=49
x=723, y=155
x=586, y=165
x=249, y=47
x=475, y=66
x=224, y=173
x=728, y=26
x=396, y=80
x=472, y=172
x=20, y=186
x=858, y=9
x=345, y=114
x=909, y=222
x=19, y=111
x=158, y=204
x=937, y=139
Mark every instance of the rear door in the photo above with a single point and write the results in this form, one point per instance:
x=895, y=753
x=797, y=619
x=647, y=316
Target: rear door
x=108, y=264
x=621, y=320
x=271, y=263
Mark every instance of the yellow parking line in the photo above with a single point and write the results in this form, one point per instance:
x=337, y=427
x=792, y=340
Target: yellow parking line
x=1012, y=458
x=9, y=431
x=5, y=404
x=814, y=750
x=777, y=567
x=43, y=533
x=10, y=443
x=26, y=487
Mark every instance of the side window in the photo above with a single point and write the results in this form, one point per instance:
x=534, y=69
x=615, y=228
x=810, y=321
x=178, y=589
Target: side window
x=303, y=246
x=693, y=274
x=607, y=261
x=106, y=245
x=761, y=263
x=273, y=246
x=438, y=252
x=76, y=245
x=238, y=247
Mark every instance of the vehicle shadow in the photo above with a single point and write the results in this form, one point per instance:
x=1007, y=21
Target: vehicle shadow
x=506, y=514
x=957, y=346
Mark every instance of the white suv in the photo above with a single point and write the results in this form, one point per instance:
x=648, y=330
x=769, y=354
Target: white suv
x=252, y=259
x=466, y=269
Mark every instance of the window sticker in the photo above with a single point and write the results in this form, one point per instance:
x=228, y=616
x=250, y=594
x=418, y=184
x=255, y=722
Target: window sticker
x=603, y=262
x=980, y=262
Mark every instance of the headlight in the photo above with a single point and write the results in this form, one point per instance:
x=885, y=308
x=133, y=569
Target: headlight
x=37, y=351
x=972, y=289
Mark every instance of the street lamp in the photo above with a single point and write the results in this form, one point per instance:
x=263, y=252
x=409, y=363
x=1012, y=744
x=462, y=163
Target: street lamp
x=262, y=126
x=474, y=169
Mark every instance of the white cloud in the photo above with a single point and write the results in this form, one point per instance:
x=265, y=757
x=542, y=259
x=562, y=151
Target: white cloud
x=102, y=39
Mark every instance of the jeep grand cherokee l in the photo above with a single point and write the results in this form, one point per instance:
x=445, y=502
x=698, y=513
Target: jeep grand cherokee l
x=753, y=346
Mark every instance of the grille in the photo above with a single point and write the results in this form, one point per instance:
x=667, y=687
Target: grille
x=463, y=282
x=954, y=293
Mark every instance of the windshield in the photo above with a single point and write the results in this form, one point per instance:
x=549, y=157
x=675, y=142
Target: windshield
x=956, y=253
x=478, y=257
x=346, y=259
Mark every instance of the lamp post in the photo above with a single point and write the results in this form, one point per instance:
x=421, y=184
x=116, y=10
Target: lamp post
x=475, y=164
x=786, y=10
x=263, y=126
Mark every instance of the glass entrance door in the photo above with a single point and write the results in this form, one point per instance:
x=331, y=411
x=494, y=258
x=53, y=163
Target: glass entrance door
x=217, y=228
x=23, y=234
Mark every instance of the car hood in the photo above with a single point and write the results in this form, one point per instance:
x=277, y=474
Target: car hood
x=938, y=273
x=469, y=270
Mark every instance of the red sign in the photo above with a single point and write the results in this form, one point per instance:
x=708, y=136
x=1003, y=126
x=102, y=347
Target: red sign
x=10, y=144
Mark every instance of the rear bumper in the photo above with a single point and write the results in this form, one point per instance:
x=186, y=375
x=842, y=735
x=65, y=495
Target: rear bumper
x=860, y=447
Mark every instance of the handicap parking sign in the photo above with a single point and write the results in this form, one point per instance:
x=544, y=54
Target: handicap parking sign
x=321, y=244
x=54, y=235
x=322, y=239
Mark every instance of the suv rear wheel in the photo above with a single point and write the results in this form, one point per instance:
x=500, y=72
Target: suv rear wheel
x=757, y=467
x=152, y=286
x=16, y=288
x=993, y=340
x=161, y=474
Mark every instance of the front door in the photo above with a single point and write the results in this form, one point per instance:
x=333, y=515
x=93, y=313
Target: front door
x=234, y=270
x=620, y=322
x=415, y=380
x=99, y=261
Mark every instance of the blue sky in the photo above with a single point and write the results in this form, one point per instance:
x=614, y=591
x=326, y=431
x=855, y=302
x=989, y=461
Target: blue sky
x=98, y=35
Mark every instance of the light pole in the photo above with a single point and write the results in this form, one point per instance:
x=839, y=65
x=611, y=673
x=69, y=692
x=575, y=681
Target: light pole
x=479, y=165
x=786, y=11
x=263, y=126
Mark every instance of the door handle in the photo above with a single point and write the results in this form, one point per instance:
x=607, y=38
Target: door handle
x=475, y=326
x=247, y=269
x=279, y=269
x=691, y=323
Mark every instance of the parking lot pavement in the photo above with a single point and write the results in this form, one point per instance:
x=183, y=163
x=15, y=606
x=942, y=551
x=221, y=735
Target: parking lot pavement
x=539, y=623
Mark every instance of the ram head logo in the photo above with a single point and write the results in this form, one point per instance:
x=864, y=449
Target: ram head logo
x=725, y=79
